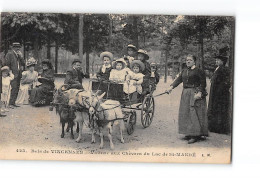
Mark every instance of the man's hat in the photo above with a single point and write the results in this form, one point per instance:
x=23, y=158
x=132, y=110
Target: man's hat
x=5, y=68
x=76, y=61
x=106, y=54
x=120, y=60
x=16, y=44
x=141, y=64
x=132, y=46
x=144, y=52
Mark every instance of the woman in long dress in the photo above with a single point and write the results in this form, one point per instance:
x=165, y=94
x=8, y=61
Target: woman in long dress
x=192, y=112
x=219, y=98
x=41, y=95
x=28, y=81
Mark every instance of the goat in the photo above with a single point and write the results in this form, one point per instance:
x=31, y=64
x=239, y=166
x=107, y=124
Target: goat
x=107, y=115
x=76, y=98
x=66, y=114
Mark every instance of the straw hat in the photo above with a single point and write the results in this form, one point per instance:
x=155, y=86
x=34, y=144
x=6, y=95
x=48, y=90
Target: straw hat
x=120, y=60
x=5, y=68
x=106, y=54
x=146, y=56
x=132, y=46
x=141, y=64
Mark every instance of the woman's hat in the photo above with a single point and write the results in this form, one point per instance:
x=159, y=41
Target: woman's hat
x=120, y=60
x=144, y=52
x=31, y=61
x=47, y=62
x=223, y=54
x=106, y=54
x=5, y=68
x=141, y=64
x=222, y=58
x=132, y=46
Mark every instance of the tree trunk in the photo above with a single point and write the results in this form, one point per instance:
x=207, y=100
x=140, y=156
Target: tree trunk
x=48, y=47
x=35, y=48
x=135, y=31
x=56, y=55
x=110, y=32
x=81, y=24
x=166, y=66
x=201, y=49
x=87, y=63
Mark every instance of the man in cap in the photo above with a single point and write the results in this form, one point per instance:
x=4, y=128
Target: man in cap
x=15, y=62
x=75, y=75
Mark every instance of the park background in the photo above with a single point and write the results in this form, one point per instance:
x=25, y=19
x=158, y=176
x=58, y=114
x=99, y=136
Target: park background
x=168, y=39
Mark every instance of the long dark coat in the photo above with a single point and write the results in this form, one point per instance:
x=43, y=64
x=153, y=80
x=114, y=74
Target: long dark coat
x=219, y=101
x=16, y=64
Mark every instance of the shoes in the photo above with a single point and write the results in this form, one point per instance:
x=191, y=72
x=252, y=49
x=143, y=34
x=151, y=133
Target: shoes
x=192, y=140
x=186, y=138
x=2, y=115
x=14, y=105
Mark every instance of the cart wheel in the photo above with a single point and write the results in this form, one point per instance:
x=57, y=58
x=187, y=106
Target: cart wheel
x=147, y=111
x=131, y=121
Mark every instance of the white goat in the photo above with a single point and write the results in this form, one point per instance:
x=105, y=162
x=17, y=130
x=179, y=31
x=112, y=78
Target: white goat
x=76, y=98
x=107, y=115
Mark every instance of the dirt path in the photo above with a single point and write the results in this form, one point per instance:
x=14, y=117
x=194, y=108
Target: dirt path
x=28, y=126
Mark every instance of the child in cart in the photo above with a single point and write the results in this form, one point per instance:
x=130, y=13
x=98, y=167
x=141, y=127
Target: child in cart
x=131, y=53
x=7, y=77
x=118, y=73
x=154, y=78
x=134, y=80
x=105, y=69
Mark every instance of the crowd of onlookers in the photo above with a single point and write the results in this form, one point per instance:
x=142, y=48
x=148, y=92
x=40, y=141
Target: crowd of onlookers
x=21, y=84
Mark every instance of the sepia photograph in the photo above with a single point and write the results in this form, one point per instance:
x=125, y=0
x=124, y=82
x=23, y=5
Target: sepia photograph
x=117, y=87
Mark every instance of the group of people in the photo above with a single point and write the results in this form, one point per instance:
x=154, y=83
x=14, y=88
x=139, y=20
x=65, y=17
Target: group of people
x=133, y=71
x=138, y=76
x=21, y=84
x=194, y=119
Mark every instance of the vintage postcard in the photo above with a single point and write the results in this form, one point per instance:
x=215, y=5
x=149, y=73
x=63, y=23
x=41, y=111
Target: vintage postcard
x=116, y=87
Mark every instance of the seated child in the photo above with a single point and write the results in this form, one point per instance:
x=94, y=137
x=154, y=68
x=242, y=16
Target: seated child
x=105, y=69
x=143, y=56
x=118, y=73
x=131, y=53
x=134, y=79
x=155, y=77
x=7, y=77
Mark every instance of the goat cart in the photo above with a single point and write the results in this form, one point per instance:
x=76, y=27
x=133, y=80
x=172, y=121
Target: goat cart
x=129, y=103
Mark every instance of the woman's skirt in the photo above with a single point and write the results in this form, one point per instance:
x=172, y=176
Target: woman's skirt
x=23, y=95
x=41, y=95
x=192, y=114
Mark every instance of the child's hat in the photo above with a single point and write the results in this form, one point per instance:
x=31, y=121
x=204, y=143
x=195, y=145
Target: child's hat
x=5, y=68
x=144, y=52
x=120, y=60
x=141, y=64
x=106, y=54
x=132, y=46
